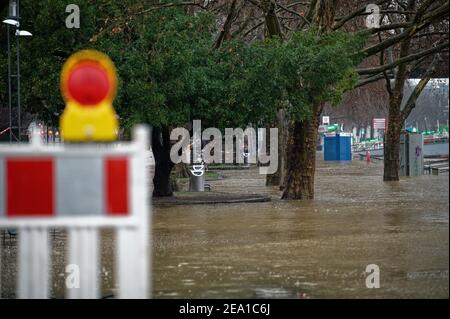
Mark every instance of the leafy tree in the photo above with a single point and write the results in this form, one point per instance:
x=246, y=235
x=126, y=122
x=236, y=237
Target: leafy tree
x=43, y=54
x=171, y=72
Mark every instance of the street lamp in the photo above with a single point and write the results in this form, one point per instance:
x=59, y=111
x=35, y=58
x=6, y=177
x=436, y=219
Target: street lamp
x=13, y=8
x=13, y=20
x=23, y=33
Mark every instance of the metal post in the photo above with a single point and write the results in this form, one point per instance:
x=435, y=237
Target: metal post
x=9, y=87
x=18, y=89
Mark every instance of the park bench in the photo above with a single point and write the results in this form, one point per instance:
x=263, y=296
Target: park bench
x=436, y=167
x=436, y=170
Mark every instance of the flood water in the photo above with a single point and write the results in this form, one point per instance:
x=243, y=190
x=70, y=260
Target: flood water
x=294, y=249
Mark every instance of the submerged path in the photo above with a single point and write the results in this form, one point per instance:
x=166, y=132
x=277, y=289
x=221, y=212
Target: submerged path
x=209, y=197
x=292, y=249
x=309, y=249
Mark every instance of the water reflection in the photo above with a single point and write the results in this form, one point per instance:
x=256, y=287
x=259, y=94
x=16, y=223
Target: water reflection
x=312, y=249
x=291, y=249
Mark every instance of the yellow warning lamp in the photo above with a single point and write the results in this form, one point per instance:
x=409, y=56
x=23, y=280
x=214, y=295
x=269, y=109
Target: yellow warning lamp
x=88, y=85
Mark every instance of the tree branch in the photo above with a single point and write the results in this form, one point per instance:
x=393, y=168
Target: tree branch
x=384, y=27
x=294, y=13
x=403, y=60
x=227, y=25
x=174, y=4
x=413, y=29
x=385, y=75
x=354, y=14
x=368, y=80
x=411, y=103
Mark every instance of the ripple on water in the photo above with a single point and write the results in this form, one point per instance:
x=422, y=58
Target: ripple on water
x=273, y=293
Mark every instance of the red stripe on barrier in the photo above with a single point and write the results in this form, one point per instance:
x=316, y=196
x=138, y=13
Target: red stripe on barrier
x=29, y=187
x=116, y=173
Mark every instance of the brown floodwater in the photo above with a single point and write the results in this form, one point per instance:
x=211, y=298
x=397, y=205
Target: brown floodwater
x=293, y=249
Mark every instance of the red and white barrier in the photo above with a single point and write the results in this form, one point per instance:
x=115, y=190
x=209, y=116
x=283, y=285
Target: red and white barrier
x=79, y=187
x=58, y=186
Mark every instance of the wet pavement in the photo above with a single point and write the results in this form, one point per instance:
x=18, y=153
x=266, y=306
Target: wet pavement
x=294, y=249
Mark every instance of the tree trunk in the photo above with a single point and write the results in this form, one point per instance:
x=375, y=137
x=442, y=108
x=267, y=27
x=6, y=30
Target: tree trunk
x=324, y=14
x=225, y=33
x=273, y=30
x=163, y=164
x=282, y=148
x=395, y=118
x=301, y=155
x=181, y=170
x=396, y=121
x=277, y=178
x=272, y=22
x=392, y=140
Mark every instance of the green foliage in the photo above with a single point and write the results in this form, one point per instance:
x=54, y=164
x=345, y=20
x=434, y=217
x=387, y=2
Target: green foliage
x=169, y=71
x=297, y=73
x=42, y=56
x=162, y=60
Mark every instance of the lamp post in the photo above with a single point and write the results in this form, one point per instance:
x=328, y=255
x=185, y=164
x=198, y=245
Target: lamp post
x=13, y=20
x=9, y=87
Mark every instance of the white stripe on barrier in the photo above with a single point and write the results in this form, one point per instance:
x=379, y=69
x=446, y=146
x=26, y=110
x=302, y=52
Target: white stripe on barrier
x=79, y=186
x=33, y=263
x=133, y=278
x=130, y=286
x=84, y=252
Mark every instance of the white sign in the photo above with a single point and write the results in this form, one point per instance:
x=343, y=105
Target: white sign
x=325, y=120
x=379, y=124
x=323, y=128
